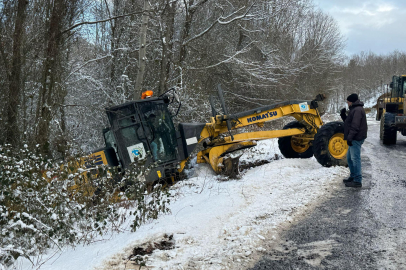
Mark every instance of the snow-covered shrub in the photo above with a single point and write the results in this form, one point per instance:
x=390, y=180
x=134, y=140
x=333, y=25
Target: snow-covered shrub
x=44, y=205
x=149, y=200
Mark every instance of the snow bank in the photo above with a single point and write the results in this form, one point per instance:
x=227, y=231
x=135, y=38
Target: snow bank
x=220, y=225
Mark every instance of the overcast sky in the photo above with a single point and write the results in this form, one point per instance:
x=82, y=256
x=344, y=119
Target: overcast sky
x=375, y=25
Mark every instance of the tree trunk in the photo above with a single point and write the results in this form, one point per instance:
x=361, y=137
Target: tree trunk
x=186, y=31
x=167, y=46
x=50, y=76
x=114, y=42
x=143, y=52
x=12, y=128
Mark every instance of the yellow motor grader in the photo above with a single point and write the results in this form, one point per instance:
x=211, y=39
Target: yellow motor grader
x=146, y=126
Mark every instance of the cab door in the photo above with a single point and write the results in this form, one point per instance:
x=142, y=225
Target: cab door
x=163, y=141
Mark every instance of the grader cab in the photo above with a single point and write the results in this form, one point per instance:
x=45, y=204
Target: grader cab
x=146, y=126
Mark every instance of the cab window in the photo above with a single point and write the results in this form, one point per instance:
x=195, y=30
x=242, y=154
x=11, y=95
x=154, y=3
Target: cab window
x=162, y=141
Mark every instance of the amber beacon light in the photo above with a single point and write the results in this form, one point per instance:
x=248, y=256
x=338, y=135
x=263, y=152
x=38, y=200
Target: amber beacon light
x=147, y=94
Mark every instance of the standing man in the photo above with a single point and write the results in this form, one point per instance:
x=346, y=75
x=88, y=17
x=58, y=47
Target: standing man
x=355, y=132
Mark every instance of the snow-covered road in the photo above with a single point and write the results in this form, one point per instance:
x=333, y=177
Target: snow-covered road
x=354, y=228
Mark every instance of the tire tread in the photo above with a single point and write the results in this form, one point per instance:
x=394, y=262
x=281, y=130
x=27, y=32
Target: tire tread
x=320, y=144
x=285, y=144
x=388, y=132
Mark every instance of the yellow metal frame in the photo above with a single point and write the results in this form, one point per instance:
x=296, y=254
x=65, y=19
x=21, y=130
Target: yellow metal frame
x=87, y=165
x=399, y=100
x=219, y=144
x=218, y=124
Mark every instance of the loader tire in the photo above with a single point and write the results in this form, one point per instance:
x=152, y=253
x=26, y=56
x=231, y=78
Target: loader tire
x=329, y=146
x=388, y=132
x=379, y=112
x=289, y=149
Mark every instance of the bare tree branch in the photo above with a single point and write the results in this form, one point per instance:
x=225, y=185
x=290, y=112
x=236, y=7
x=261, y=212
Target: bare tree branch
x=85, y=64
x=218, y=21
x=200, y=34
x=235, y=18
x=245, y=49
x=100, y=21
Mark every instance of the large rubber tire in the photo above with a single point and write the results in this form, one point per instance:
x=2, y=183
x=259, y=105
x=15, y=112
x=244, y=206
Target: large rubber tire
x=285, y=145
x=379, y=112
x=388, y=132
x=329, y=146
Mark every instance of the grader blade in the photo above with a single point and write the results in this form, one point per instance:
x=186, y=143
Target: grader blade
x=215, y=156
x=231, y=164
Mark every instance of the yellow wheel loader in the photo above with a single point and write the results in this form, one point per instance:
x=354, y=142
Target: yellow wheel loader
x=145, y=126
x=391, y=111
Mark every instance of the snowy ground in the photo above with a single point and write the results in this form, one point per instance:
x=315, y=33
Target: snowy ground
x=214, y=224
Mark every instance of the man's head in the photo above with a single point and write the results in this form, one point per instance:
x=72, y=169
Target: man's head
x=351, y=99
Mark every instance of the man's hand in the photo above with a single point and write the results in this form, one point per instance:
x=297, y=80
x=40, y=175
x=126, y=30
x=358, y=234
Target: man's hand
x=343, y=114
x=349, y=143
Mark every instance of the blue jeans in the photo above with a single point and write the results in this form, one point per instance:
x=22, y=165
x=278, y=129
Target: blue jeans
x=354, y=160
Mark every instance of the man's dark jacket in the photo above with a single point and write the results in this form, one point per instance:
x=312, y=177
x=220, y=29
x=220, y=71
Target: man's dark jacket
x=355, y=124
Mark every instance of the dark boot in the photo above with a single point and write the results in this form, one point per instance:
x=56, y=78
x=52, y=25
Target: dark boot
x=353, y=184
x=349, y=179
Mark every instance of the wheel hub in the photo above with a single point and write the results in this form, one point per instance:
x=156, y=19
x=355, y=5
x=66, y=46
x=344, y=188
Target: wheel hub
x=337, y=146
x=299, y=147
